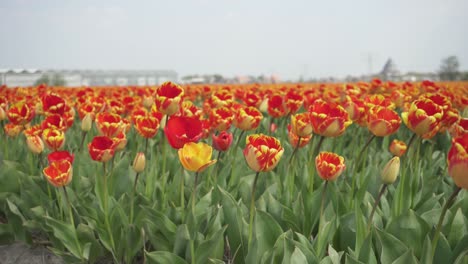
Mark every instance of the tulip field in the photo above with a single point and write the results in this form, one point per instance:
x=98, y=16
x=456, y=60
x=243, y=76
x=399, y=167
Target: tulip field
x=369, y=172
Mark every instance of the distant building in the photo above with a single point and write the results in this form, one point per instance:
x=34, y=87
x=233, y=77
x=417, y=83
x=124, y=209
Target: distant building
x=76, y=78
x=389, y=71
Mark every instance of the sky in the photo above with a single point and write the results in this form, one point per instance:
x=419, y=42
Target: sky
x=292, y=38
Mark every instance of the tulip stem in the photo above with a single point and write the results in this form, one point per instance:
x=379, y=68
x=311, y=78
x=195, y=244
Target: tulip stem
x=322, y=204
x=410, y=142
x=376, y=203
x=358, y=160
x=83, y=136
x=216, y=169
x=252, y=207
x=194, y=194
x=295, y=150
x=106, y=210
x=311, y=170
x=290, y=178
x=72, y=220
x=133, y=197
x=319, y=145
x=441, y=220
x=146, y=148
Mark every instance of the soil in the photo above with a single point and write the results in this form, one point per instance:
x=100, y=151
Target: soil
x=20, y=253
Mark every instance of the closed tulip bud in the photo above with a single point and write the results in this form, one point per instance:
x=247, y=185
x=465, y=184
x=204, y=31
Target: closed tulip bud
x=3, y=115
x=139, y=162
x=35, y=144
x=390, y=172
x=87, y=122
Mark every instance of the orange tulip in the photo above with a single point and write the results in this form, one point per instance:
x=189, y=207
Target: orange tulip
x=20, y=113
x=196, y=157
x=147, y=126
x=109, y=124
x=294, y=139
x=397, y=147
x=247, y=118
x=221, y=118
x=101, y=149
x=300, y=125
x=262, y=153
x=59, y=173
x=423, y=118
x=168, y=98
x=460, y=128
x=328, y=119
x=457, y=159
x=382, y=121
x=13, y=130
x=53, y=138
x=329, y=165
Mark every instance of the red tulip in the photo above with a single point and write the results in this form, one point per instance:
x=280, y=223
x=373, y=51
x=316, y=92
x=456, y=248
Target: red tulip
x=180, y=130
x=262, y=153
x=382, y=121
x=101, y=149
x=223, y=141
x=329, y=165
x=457, y=159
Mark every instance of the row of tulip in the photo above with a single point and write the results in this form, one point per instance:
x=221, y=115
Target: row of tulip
x=151, y=210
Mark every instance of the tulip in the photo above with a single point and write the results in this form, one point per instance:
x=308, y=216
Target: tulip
x=53, y=104
x=3, y=114
x=60, y=155
x=262, y=153
x=397, y=147
x=168, y=98
x=457, y=159
x=329, y=165
x=294, y=139
x=223, y=141
x=390, y=172
x=328, y=119
x=35, y=144
x=87, y=123
x=247, y=118
x=53, y=138
x=221, y=118
x=300, y=125
x=139, y=162
x=276, y=107
x=382, y=121
x=196, y=157
x=460, y=128
x=101, y=149
x=293, y=101
x=20, y=113
x=13, y=130
x=180, y=130
x=59, y=173
x=109, y=124
x=147, y=126
x=54, y=121
x=423, y=118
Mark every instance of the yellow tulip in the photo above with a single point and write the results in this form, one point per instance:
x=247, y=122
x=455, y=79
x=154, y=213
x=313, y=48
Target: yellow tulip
x=196, y=157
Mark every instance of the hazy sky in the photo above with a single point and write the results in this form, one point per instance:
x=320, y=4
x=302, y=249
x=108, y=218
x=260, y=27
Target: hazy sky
x=288, y=38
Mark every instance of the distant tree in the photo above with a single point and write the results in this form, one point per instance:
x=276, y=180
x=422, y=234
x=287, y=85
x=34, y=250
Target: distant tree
x=449, y=68
x=54, y=80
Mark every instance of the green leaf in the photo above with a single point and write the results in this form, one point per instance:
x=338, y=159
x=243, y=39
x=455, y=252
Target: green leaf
x=410, y=229
x=460, y=249
x=66, y=233
x=462, y=258
x=407, y=258
x=211, y=248
x=267, y=231
x=391, y=247
x=426, y=253
x=458, y=228
x=298, y=257
x=182, y=238
x=164, y=257
x=351, y=260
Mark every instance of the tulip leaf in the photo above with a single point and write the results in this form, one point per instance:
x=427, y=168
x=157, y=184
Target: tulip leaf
x=410, y=229
x=407, y=258
x=211, y=248
x=66, y=233
x=460, y=250
x=298, y=257
x=390, y=247
x=458, y=228
x=351, y=260
x=163, y=257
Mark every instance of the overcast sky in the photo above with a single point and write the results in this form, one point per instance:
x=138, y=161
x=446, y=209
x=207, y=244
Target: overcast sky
x=287, y=38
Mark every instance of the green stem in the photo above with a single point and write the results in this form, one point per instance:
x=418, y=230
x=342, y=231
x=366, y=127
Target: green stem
x=311, y=167
x=319, y=145
x=182, y=187
x=441, y=219
x=413, y=137
x=72, y=220
x=376, y=203
x=322, y=203
x=106, y=211
x=83, y=136
x=132, y=205
x=194, y=194
x=291, y=177
x=215, y=170
x=252, y=207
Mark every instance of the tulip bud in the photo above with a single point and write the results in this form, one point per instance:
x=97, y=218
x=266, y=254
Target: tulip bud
x=139, y=162
x=397, y=147
x=3, y=115
x=35, y=144
x=87, y=122
x=148, y=101
x=390, y=172
x=223, y=141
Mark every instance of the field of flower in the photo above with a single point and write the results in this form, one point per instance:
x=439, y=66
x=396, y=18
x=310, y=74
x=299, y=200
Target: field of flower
x=281, y=173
